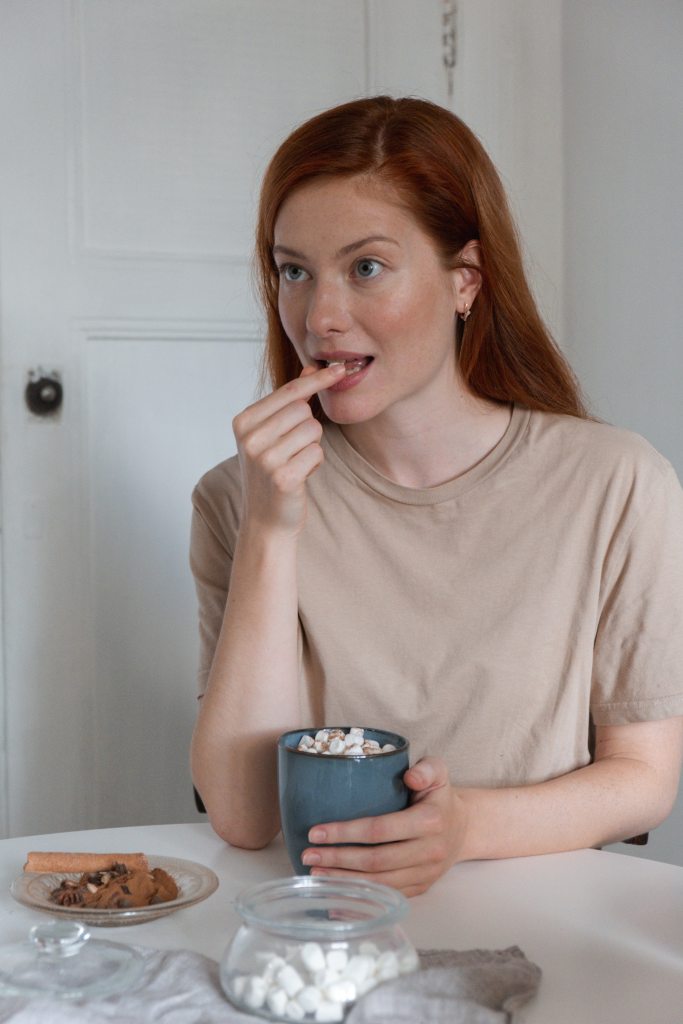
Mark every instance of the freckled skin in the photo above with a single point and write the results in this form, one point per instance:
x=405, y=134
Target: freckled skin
x=389, y=298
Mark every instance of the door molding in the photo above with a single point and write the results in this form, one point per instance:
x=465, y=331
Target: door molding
x=185, y=330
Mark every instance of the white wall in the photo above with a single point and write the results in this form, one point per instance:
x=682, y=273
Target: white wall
x=508, y=89
x=623, y=139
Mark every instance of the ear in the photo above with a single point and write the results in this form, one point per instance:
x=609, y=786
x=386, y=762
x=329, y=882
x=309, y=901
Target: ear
x=467, y=280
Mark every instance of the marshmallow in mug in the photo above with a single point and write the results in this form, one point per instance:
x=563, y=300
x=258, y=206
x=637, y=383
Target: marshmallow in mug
x=336, y=741
x=315, y=984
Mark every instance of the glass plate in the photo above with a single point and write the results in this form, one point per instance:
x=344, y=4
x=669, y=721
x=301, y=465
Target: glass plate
x=195, y=882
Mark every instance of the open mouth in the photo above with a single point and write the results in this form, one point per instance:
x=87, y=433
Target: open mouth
x=351, y=365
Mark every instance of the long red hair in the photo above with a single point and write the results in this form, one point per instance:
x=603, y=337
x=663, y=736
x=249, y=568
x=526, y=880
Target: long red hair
x=441, y=172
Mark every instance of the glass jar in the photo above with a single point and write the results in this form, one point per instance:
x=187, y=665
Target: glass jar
x=309, y=947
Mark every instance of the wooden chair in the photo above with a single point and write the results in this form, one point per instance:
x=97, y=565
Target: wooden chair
x=640, y=840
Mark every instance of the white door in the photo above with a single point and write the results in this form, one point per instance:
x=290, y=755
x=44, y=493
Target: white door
x=133, y=135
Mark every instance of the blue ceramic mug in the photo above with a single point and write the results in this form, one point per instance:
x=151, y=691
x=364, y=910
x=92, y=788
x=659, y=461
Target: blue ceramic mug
x=315, y=788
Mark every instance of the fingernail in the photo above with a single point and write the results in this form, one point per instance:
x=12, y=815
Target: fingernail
x=317, y=873
x=311, y=857
x=317, y=835
x=337, y=367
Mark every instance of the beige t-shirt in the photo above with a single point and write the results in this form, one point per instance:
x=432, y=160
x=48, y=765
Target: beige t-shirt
x=488, y=619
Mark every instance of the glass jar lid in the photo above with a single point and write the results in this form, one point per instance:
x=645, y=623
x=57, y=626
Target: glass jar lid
x=309, y=907
x=60, y=960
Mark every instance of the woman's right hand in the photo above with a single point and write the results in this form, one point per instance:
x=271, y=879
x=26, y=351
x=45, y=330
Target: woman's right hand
x=278, y=444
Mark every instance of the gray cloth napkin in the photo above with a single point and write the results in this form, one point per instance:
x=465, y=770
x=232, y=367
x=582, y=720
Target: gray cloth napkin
x=475, y=986
x=181, y=987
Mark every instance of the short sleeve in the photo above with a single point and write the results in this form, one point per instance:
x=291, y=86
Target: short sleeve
x=638, y=655
x=212, y=543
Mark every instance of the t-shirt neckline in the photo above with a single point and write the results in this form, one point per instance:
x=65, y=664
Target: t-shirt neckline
x=336, y=445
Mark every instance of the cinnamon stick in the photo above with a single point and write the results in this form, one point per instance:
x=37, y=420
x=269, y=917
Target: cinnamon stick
x=67, y=863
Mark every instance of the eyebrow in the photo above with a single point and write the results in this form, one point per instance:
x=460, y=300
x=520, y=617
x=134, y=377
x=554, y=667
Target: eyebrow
x=344, y=251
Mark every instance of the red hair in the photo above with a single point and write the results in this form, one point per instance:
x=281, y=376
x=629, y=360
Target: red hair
x=442, y=174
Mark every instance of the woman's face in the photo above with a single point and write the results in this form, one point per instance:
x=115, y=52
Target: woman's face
x=360, y=281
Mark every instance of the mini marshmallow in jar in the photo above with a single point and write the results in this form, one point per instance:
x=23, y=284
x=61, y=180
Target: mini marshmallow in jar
x=309, y=948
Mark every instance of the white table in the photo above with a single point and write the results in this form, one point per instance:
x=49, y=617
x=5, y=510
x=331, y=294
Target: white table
x=606, y=929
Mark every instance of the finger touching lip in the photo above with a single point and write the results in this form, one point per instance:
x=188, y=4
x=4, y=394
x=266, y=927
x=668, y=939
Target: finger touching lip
x=313, y=379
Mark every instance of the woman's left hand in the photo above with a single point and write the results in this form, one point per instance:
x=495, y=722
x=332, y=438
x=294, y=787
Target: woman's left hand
x=411, y=848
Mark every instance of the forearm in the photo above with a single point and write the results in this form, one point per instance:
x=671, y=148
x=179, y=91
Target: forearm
x=252, y=692
x=602, y=803
x=629, y=789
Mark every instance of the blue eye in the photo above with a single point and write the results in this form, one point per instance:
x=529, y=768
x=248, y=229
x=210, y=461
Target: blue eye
x=368, y=268
x=291, y=272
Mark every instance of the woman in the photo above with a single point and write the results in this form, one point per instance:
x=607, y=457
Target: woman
x=423, y=531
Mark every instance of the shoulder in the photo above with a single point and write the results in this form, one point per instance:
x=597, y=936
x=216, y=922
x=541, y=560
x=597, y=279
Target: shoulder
x=226, y=476
x=597, y=448
x=217, y=496
x=602, y=472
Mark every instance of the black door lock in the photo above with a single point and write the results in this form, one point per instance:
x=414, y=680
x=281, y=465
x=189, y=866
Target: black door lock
x=44, y=393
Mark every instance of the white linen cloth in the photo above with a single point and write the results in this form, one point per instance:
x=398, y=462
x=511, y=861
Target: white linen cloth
x=181, y=987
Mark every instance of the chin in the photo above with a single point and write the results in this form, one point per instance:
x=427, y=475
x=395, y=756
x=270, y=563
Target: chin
x=344, y=417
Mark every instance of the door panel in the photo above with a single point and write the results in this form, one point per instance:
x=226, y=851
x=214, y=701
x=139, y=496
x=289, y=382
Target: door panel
x=165, y=400
x=180, y=104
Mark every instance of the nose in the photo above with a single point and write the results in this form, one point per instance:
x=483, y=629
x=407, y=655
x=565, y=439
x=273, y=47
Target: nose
x=327, y=311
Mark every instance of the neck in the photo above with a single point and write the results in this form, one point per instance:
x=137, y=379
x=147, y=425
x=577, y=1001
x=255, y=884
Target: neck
x=429, y=448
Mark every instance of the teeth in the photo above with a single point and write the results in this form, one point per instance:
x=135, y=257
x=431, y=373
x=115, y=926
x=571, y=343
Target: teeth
x=352, y=365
